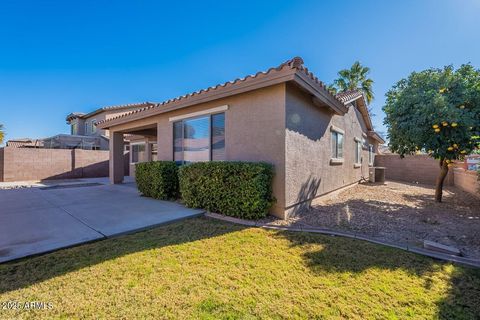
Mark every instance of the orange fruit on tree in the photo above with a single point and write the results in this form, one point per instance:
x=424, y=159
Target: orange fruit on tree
x=454, y=124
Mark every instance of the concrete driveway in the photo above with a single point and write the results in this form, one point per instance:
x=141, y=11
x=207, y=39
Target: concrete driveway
x=41, y=219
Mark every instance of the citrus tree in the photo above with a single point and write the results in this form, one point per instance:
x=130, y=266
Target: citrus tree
x=436, y=111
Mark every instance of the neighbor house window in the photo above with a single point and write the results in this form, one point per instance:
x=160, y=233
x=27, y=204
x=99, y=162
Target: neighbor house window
x=74, y=128
x=371, y=154
x=358, y=151
x=138, y=153
x=93, y=128
x=199, y=139
x=85, y=131
x=337, y=145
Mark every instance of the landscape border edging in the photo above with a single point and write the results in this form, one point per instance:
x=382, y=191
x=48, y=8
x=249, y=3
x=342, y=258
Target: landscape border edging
x=436, y=255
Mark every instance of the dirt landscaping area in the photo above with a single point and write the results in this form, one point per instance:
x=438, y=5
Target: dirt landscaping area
x=400, y=213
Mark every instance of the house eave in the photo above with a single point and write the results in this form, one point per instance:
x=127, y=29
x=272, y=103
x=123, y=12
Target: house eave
x=281, y=76
x=219, y=93
x=374, y=135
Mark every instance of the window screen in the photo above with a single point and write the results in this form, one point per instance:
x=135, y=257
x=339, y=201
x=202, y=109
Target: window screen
x=218, y=137
x=199, y=139
x=337, y=145
x=178, y=141
x=358, y=151
x=196, y=140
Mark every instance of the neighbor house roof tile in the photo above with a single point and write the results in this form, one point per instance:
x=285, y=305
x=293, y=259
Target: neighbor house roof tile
x=108, y=108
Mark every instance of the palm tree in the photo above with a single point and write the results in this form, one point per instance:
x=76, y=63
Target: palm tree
x=2, y=133
x=354, y=78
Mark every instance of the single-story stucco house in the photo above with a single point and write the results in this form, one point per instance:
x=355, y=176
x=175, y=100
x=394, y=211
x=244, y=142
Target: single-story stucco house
x=317, y=141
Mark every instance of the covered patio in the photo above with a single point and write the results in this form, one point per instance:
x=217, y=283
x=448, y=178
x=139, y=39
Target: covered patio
x=142, y=144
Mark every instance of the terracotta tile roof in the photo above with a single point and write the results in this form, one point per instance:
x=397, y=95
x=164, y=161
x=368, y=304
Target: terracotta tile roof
x=349, y=95
x=295, y=63
x=74, y=115
x=25, y=143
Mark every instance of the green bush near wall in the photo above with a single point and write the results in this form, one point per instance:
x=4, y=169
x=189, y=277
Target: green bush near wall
x=157, y=179
x=237, y=189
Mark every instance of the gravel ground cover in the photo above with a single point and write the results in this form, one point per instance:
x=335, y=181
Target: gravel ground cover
x=400, y=213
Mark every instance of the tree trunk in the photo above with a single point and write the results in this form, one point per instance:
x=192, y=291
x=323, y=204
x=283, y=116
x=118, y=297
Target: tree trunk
x=440, y=180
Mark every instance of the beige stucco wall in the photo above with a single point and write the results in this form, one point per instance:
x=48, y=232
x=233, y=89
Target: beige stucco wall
x=254, y=131
x=309, y=172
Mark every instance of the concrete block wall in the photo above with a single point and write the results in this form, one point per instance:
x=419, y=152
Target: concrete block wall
x=467, y=180
x=25, y=164
x=415, y=169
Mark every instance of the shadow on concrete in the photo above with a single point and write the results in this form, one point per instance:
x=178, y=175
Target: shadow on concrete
x=29, y=271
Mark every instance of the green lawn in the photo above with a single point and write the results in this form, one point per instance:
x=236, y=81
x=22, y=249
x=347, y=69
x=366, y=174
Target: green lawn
x=205, y=269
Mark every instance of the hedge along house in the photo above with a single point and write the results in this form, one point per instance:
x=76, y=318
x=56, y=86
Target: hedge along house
x=318, y=142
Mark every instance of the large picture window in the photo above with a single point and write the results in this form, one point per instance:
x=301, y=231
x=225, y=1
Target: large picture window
x=199, y=139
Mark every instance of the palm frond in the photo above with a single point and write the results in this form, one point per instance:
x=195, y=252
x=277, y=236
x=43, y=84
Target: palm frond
x=355, y=78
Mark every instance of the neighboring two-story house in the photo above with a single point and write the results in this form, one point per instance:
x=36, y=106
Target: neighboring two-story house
x=83, y=131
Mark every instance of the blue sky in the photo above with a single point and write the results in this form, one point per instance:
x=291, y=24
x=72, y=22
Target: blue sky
x=62, y=56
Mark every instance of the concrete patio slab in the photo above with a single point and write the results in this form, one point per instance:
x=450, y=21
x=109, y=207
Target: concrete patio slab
x=34, y=221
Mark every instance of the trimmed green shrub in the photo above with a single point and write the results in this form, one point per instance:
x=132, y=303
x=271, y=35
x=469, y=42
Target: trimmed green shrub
x=157, y=179
x=237, y=189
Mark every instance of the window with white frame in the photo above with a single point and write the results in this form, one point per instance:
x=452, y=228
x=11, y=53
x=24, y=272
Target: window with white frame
x=199, y=139
x=371, y=154
x=85, y=129
x=93, y=128
x=337, y=144
x=358, y=151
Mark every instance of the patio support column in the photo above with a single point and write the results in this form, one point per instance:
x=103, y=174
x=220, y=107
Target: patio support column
x=116, y=163
x=148, y=150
